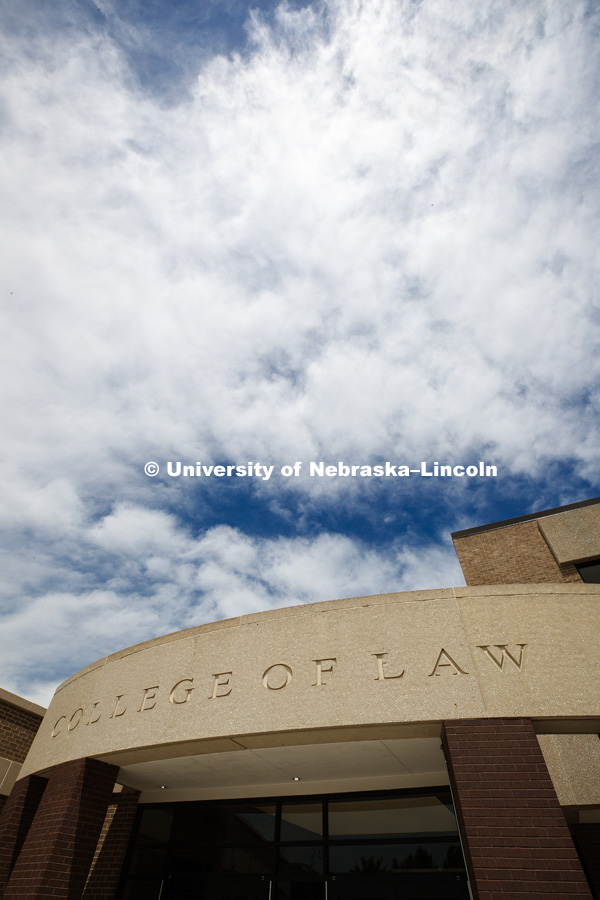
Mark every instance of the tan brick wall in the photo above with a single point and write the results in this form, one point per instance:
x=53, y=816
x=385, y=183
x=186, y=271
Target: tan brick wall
x=516, y=554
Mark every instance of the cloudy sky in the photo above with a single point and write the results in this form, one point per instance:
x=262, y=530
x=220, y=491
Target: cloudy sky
x=358, y=231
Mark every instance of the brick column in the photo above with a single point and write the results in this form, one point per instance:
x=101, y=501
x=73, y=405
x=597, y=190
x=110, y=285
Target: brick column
x=55, y=858
x=515, y=836
x=108, y=860
x=15, y=821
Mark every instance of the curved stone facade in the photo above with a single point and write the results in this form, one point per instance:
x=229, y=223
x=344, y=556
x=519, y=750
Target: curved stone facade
x=342, y=670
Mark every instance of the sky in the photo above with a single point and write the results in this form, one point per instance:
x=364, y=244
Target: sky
x=340, y=233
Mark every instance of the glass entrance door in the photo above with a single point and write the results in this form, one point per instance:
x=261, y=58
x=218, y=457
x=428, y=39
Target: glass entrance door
x=387, y=846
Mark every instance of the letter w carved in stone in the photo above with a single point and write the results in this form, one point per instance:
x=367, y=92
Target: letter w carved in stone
x=505, y=653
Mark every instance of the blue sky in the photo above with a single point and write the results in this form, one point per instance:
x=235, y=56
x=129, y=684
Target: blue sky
x=346, y=231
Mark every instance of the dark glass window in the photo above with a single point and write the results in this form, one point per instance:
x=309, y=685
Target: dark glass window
x=150, y=851
x=223, y=824
x=392, y=845
x=301, y=821
x=303, y=890
x=155, y=826
x=397, y=815
x=222, y=860
x=302, y=861
x=369, y=859
x=590, y=571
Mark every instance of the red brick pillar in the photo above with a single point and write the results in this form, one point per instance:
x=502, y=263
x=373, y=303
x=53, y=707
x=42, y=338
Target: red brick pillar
x=55, y=858
x=108, y=860
x=15, y=821
x=515, y=836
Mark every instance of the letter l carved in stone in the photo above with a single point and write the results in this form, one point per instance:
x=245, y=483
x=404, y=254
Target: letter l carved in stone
x=381, y=663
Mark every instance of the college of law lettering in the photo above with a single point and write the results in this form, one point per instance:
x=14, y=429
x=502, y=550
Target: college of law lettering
x=323, y=671
x=516, y=660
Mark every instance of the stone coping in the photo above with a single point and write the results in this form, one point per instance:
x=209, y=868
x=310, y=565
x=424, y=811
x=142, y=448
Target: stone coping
x=21, y=702
x=303, y=609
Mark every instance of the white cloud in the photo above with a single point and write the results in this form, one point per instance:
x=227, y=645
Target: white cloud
x=295, y=236
x=131, y=530
x=373, y=234
x=166, y=580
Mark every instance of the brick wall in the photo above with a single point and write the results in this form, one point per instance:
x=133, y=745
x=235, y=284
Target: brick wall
x=18, y=727
x=57, y=853
x=112, y=846
x=516, y=554
x=15, y=820
x=516, y=839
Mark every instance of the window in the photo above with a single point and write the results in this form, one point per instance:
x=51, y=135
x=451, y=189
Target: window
x=589, y=571
x=392, y=845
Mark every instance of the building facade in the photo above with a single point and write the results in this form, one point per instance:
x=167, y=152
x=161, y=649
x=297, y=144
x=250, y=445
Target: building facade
x=19, y=723
x=428, y=744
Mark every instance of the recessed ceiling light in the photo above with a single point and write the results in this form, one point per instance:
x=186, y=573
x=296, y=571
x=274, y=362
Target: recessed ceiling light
x=295, y=778
x=163, y=786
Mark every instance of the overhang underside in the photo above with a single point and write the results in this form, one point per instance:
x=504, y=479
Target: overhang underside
x=340, y=760
x=291, y=770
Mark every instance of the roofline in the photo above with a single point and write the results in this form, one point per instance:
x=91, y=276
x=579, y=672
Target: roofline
x=22, y=703
x=537, y=515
